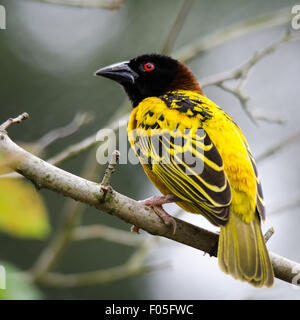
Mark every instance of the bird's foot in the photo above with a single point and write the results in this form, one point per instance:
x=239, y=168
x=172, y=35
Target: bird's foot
x=166, y=218
x=159, y=200
x=156, y=203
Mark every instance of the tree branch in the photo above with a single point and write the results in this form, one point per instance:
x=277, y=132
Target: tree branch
x=231, y=32
x=293, y=202
x=79, y=120
x=110, y=168
x=107, y=233
x=241, y=74
x=11, y=121
x=54, y=279
x=243, y=70
x=269, y=234
x=45, y=175
x=86, y=144
x=295, y=137
x=37, y=147
x=177, y=26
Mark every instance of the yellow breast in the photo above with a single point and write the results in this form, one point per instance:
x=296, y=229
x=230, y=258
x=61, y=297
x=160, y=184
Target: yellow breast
x=223, y=132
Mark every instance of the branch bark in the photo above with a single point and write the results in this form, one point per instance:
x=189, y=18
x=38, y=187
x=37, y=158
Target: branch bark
x=45, y=175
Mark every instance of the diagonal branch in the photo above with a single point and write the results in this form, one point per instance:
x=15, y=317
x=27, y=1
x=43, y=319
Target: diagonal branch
x=54, y=279
x=241, y=74
x=11, y=121
x=50, y=177
x=243, y=70
x=107, y=233
x=231, y=32
x=177, y=26
x=79, y=120
x=85, y=144
x=293, y=202
x=295, y=137
x=45, y=175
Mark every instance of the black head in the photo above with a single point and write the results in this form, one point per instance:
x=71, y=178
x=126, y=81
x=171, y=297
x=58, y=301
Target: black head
x=149, y=75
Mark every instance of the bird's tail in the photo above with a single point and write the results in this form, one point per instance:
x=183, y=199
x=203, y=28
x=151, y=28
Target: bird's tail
x=242, y=252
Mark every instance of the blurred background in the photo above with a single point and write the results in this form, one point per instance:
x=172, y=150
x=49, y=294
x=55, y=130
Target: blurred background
x=48, y=54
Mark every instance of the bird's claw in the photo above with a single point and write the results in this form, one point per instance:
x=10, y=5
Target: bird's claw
x=166, y=218
x=156, y=203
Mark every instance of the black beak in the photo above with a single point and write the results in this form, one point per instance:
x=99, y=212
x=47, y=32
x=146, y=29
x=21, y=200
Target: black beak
x=120, y=72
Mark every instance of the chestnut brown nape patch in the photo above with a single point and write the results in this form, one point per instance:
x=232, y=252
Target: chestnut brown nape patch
x=185, y=80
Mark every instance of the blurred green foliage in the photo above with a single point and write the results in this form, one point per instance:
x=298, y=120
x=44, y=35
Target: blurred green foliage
x=17, y=286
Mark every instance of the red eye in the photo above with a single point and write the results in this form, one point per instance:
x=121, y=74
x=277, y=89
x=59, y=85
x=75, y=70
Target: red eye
x=149, y=66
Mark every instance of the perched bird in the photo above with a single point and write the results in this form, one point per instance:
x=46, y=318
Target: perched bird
x=197, y=156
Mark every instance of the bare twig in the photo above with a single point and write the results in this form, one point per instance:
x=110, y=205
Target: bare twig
x=243, y=98
x=110, y=168
x=243, y=70
x=140, y=255
x=293, y=202
x=241, y=74
x=97, y=277
x=260, y=114
x=104, y=4
x=177, y=26
x=47, y=176
x=11, y=121
x=42, y=143
x=269, y=234
x=79, y=120
x=135, y=265
x=86, y=144
x=198, y=46
x=109, y=234
x=294, y=138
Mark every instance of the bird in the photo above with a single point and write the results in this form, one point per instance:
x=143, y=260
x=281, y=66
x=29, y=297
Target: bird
x=198, y=158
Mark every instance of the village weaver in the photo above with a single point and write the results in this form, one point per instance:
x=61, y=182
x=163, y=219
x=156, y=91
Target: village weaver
x=197, y=156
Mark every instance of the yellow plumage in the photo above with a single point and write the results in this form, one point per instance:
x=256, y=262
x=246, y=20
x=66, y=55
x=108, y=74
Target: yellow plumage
x=227, y=191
